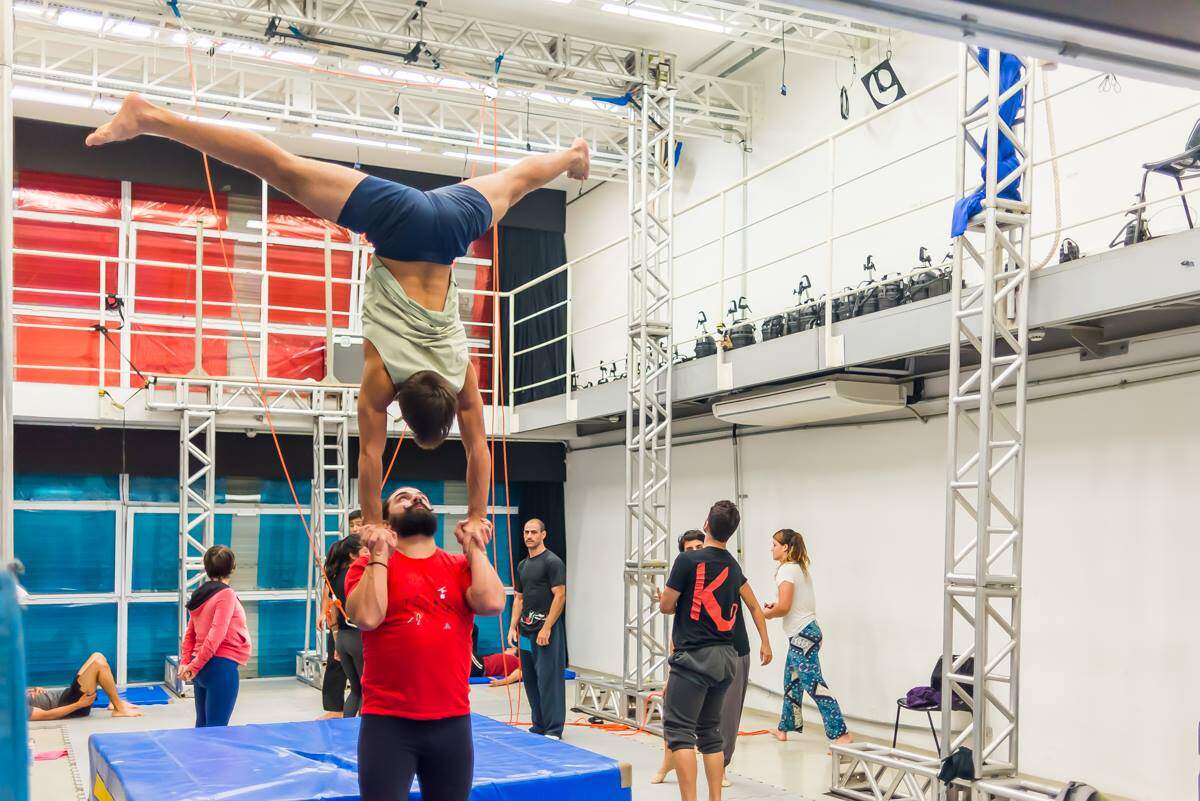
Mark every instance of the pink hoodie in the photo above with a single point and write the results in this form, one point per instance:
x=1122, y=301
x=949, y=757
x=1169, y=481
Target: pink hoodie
x=219, y=624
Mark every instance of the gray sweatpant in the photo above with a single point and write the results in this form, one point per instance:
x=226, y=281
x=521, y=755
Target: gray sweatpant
x=735, y=701
x=694, y=697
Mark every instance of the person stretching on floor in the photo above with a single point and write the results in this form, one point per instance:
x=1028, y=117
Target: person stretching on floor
x=414, y=344
x=797, y=608
x=76, y=700
x=415, y=605
x=217, y=641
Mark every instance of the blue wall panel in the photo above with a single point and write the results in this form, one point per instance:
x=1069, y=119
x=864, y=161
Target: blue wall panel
x=38, y=487
x=65, y=551
x=156, y=549
x=280, y=636
x=59, y=638
x=152, y=637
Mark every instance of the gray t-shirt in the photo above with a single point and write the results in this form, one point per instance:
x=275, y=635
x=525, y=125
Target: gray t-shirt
x=44, y=700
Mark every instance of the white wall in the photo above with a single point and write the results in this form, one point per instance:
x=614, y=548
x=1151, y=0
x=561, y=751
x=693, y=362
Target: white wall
x=1093, y=181
x=1110, y=651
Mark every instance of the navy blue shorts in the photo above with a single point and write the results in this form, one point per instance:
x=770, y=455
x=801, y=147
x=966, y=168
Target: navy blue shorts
x=406, y=224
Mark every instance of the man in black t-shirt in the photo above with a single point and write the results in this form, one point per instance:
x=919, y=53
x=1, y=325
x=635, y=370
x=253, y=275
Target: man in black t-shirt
x=706, y=592
x=540, y=587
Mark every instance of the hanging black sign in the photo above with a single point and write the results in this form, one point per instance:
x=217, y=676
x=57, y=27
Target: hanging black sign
x=883, y=84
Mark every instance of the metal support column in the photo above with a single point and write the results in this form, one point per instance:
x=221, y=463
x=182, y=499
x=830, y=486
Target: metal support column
x=197, y=497
x=330, y=504
x=635, y=698
x=7, y=344
x=989, y=349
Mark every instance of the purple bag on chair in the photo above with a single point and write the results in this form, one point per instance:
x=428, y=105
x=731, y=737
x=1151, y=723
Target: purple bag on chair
x=921, y=697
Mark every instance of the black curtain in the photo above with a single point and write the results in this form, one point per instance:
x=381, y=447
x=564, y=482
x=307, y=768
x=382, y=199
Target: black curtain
x=524, y=255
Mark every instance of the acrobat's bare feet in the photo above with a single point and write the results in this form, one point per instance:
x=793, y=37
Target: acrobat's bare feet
x=126, y=711
x=582, y=167
x=781, y=736
x=131, y=120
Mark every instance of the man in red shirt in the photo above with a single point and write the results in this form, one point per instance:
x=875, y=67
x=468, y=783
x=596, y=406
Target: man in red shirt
x=415, y=605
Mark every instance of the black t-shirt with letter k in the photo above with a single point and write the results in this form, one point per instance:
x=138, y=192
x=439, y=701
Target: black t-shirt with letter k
x=708, y=581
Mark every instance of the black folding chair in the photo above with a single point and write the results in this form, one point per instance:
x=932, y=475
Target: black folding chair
x=1183, y=166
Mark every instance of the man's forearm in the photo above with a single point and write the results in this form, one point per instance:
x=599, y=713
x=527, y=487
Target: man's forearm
x=370, y=479
x=760, y=622
x=479, y=473
x=367, y=604
x=485, y=593
x=556, y=608
x=518, y=607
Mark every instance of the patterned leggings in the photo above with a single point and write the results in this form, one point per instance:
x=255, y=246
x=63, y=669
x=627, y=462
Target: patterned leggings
x=803, y=674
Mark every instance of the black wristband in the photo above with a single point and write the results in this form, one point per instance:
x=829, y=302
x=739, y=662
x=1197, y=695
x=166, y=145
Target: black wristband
x=385, y=564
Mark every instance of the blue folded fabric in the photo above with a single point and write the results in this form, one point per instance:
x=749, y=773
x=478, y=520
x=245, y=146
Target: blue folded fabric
x=154, y=695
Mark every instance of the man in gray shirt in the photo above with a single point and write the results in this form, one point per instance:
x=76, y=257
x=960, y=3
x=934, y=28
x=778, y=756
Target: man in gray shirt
x=540, y=594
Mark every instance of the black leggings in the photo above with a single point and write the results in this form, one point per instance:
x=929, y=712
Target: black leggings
x=440, y=753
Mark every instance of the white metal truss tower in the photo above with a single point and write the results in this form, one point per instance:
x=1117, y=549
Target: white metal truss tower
x=634, y=697
x=197, y=497
x=989, y=349
x=330, y=499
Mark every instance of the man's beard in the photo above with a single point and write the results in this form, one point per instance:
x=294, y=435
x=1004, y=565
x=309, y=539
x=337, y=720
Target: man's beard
x=416, y=522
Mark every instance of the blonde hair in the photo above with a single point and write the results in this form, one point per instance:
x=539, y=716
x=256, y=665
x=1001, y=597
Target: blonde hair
x=796, y=550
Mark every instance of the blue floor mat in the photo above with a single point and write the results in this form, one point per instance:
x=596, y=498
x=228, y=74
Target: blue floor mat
x=154, y=695
x=567, y=675
x=317, y=761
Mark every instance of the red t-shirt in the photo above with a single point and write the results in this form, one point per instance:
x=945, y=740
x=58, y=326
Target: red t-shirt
x=500, y=664
x=417, y=664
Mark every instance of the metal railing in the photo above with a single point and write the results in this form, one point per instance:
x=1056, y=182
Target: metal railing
x=117, y=305
x=570, y=374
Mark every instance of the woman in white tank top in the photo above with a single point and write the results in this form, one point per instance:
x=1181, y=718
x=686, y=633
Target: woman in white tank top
x=797, y=608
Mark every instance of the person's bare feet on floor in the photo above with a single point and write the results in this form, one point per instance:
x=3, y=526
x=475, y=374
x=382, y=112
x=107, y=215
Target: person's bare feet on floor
x=781, y=736
x=331, y=716
x=583, y=160
x=130, y=121
x=126, y=711
x=843, y=740
x=661, y=776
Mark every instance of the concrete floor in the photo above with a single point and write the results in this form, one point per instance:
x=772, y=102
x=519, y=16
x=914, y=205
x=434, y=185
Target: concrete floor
x=762, y=768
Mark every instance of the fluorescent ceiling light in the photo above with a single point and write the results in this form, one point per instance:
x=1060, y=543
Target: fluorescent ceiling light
x=484, y=157
x=359, y=141
x=291, y=55
x=349, y=140
x=80, y=21
x=253, y=224
x=180, y=38
x=664, y=17
x=239, y=48
x=36, y=93
x=29, y=9
x=130, y=30
x=225, y=122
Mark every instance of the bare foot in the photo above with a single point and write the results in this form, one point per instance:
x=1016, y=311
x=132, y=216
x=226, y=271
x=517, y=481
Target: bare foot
x=844, y=739
x=781, y=736
x=583, y=160
x=127, y=711
x=130, y=121
x=725, y=782
x=661, y=776
x=330, y=716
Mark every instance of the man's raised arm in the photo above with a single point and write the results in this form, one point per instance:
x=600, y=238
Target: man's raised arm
x=479, y=460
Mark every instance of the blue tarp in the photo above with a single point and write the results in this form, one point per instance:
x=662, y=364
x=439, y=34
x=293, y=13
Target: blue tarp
x=141, y=696
x=317, y=761
x=968, y=207
x=14, y=752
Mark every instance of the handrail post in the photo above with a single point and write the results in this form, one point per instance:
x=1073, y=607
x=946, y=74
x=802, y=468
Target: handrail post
x=198, y=366
x=512, y=346
x=833, y=355
x=100, y=339
x=329, y=378
x=569, y=362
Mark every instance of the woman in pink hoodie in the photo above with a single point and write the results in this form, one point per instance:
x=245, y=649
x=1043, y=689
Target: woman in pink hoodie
x=217, y=641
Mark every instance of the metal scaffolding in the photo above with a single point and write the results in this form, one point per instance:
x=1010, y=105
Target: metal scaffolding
x=985, y=496
x=331, y=502
x=985, y=470
x=635, y=698
x=197, y=497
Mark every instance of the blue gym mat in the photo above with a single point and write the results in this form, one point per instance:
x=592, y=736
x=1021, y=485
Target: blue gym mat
x=567, y=674
x=142, y=696
x=317, y=761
